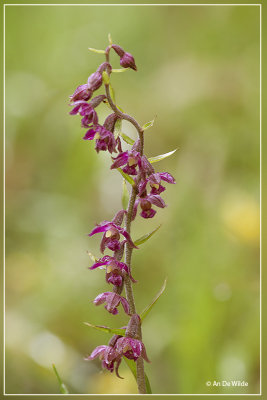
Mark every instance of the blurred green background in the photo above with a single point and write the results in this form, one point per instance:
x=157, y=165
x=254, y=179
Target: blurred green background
x=198, y=72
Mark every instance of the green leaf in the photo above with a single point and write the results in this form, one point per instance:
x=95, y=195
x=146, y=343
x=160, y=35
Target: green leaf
x=112, y=94
x=161, y=156
x=120, y=70
x=107, y=329
x=148, y=308
x=148, y=124
x=127, y=177
x=96, y=51
x=117, y=128
x=144, y=238
x=127, y=139
x=62, y=387
x=125, y=195
x=132, y=365
x=105, y=77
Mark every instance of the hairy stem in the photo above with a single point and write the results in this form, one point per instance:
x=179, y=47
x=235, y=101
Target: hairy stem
x=141, y=383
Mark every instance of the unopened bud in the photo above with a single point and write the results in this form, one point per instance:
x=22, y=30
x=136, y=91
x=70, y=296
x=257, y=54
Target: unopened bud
x=110, y=122
x=119, y=50
x=127, y=61
x=104, y=66
x=97, y=100
x=95, y=81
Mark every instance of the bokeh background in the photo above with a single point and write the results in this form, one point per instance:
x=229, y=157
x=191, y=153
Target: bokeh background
x=198, y=72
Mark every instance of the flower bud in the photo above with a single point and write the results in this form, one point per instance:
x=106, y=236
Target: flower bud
x=104, y=67
x=127, y=61
x=95, y=81
x=110, y=122
x=97, y=100
x=119, y=50
x=83, y=92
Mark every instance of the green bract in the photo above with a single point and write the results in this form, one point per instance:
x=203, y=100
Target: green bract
x=161, y=157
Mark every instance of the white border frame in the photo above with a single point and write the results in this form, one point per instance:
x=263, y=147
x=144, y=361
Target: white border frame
x=260, y=90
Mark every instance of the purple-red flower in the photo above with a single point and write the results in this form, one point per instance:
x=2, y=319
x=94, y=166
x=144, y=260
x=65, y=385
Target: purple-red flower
x=104, y=139
x=108, y=356
x=95, y=81
x=86, y=111
x=113, y=300
x=111, y=236
x=118, y=347
x=146, y=205
x=154, y=181
x=126, y=59
x=104, y=136
x=83, y=92
x=115, y=270
x=131, y=348
x=130, y=158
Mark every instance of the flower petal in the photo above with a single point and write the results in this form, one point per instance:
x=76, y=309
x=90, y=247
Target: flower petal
x=100, y=228
x=143, y=354
x=148, y=213
x=101, y=298
x=89, y=135
x=98, y=350
x=117, y=368
x=156, y=200
x=136, y=346
x=125, y=305
x=165, y=176
x=98, y=264
x=120, y=160
x=127, y=237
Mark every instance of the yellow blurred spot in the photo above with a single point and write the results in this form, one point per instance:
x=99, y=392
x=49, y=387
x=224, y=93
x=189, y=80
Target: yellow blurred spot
x=126, y=348
x=97, y=135
x=109, y=233
x=109, y=268
x=109, y=383
x=131, y=161
x=155, y=185
x=241, y=216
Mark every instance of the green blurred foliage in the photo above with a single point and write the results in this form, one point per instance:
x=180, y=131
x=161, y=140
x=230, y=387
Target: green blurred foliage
x=198, y=72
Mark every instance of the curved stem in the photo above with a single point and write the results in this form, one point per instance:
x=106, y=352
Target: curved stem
x=140, y=372
x=121, y=114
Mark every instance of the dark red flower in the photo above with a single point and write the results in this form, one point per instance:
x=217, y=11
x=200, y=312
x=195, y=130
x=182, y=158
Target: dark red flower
x=115, y=270
x=113, y=300
x=111, y=236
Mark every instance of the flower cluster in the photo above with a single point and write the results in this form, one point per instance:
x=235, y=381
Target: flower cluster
x=119, y=346
x=146, y=194
x=114, y=238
